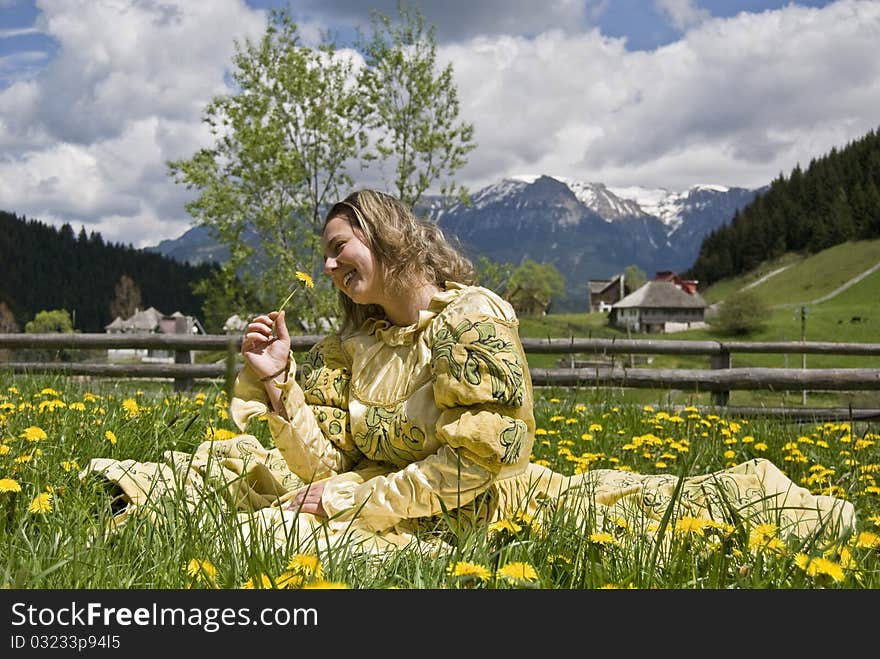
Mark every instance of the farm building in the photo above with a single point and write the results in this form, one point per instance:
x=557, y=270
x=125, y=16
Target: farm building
x=659, y=306
x=605, y=292
x=151, y=321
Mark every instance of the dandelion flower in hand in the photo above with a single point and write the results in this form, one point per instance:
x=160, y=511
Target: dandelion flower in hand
x=306, y=280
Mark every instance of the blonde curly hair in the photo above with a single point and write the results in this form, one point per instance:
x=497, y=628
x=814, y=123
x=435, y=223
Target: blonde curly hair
x=409, y=250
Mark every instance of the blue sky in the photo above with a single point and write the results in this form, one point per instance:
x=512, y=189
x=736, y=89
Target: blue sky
x=96, y=95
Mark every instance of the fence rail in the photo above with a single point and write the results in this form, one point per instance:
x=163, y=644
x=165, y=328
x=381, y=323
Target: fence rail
x=720, y=379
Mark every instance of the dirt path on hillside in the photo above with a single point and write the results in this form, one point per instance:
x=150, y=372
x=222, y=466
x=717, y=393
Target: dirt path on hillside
x=764, y=278
x=837, y=291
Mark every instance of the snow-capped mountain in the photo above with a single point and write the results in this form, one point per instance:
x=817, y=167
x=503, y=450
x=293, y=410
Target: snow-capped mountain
x=586, y=229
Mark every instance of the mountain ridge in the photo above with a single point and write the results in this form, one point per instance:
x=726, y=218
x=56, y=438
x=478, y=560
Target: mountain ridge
x=587, y=230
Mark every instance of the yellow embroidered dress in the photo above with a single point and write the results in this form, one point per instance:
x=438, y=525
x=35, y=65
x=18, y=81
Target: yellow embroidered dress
x=404, y=423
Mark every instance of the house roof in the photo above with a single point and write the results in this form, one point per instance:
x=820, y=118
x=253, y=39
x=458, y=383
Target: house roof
x=600, y=285
x=142, y=320
x=662, y=294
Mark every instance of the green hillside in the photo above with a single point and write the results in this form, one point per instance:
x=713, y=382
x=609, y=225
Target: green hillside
x=790, y=283
x=802, y=279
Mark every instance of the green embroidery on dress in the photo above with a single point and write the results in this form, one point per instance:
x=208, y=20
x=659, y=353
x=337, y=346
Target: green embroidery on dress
x=390, y=436
x=322, y=385
x=310, y=369
x=498, y=356
x=513, y=439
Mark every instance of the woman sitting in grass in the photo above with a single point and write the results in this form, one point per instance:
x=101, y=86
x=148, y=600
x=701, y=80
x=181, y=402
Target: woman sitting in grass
x=415, y=423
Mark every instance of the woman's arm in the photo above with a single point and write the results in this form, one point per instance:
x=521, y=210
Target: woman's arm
x=309, y=423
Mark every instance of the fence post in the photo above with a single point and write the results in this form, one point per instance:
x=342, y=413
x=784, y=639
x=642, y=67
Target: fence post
x=181, y=326
x=721, y=360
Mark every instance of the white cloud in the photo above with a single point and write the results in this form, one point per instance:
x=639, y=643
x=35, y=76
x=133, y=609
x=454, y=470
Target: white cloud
x=684, y=14
x=87, y=138
x=735, y=102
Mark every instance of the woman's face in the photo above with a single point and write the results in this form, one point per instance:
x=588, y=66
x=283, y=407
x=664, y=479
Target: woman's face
x=350, y=263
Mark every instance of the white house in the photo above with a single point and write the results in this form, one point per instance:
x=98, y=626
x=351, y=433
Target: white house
x=659, y=306
x=150, y=321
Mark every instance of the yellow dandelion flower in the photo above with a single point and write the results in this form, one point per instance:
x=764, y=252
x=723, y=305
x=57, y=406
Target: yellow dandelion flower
x=306, y=564
x=690, y=525
x=131, y=406
x=202, y=570
x=603, y=538
x=767, y=529
x=34, y=434
x=110, y=436
x=78, y=407
x=42, y=503
x=262, y=581
x=218, y=434
x=769, y=544
x=305, y=279
x=504, y=525
x=23, y=458
x=464, y=569
x=817, y=566
x=4, y=449
x=69, y=465
x=49, y=391
x=290, y=580
x=9, y=485
x=868, y=540
x=518, y=571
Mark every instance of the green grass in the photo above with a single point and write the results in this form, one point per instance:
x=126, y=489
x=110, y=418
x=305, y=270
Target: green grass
x=65, y=547
x=805, y=278
x=852, y=316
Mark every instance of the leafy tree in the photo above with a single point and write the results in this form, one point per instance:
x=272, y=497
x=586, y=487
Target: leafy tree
x=492, y=274
x=127, y=300
x=281, y=149
x=533, y=286
x=742, y=313
x=633, y=278
x=285, y=143
x=415, y=111
x=49, y=322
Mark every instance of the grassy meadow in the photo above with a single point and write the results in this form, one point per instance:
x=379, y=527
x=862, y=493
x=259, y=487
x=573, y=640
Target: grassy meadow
x=785, y=285
x=52, y=524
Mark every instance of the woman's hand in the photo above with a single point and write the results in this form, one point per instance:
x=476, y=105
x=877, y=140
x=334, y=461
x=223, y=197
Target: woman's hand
x=308, y=500
x=266, y=354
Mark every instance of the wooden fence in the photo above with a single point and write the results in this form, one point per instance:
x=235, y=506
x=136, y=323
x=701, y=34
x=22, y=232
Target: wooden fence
x=720, y=379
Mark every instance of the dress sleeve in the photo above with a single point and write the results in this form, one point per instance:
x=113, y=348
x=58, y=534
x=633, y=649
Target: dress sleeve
x=315, y=438
x=486, y=428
